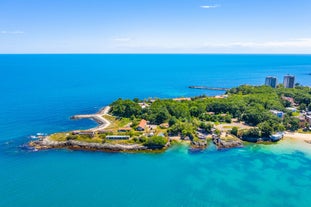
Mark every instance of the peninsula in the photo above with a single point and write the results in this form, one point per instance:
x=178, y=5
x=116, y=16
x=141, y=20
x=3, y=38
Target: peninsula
x=244, y=114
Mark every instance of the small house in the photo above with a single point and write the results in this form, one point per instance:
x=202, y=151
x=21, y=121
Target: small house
x=181, y=99
x=290, y=100
x=276, y=137
x=117, y=137
x=164, y=125
x=88, y=133
x=292, y=109
x=279, y=114
x=142, y=125
x=124, y=129
x=104, y=131
x=143, y=105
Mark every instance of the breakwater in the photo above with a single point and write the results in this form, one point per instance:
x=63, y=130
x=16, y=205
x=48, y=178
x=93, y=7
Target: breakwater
x=98, y=117
x=209, y=88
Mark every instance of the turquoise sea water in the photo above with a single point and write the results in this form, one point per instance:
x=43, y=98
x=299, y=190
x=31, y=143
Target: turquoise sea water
x=40, y=92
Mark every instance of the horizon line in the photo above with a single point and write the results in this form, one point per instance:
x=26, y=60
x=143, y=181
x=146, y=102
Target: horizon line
x=116, y=53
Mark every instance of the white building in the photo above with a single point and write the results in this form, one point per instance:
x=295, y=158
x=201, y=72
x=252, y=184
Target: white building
x=119, y=137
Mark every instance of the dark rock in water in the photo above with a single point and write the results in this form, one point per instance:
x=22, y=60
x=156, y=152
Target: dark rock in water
x=229, y=144
x=308, y=141
x=222, y=144
x=195, y=145
x=195, y=150
x=251, y=139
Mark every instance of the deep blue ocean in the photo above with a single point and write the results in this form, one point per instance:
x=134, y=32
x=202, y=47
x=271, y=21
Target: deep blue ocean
x=40, y=92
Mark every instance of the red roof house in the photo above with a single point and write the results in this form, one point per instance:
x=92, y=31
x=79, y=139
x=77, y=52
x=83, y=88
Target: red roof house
x=142, y=125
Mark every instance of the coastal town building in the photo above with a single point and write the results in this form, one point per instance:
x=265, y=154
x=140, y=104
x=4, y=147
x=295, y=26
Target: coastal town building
x=277, y=136
x=104, y=131
x=164, y=125
x=292, y=109
x=279, y=114
x=271, y=81
x=142, y=125
x=152, y=126
x=308, y=119
x=182, y=99
x=119, y=137
x=89, y=133
x=143, y=105
x=221, y=96
x=289, y=81
x=302, y=121
x=290, y=100
x=124, y=129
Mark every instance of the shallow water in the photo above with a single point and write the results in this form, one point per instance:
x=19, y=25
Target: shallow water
x=41, y=92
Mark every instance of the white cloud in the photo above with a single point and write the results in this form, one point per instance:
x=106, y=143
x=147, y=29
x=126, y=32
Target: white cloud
x=11, y=32
x=302, y=45
x=209, y=6
x=295, y=43
x=122, y=39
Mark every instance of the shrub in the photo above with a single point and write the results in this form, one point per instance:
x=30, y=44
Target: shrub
x=234, y=131
x=156, y=141
x=71, y=137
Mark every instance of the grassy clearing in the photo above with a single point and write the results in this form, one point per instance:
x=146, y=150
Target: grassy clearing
x=303, y=132
x=229, y=137
x=296, y=114
x=116, y=123
x=95, y=139
x=227, y=127
x=66, y=136
x=59, y=136
x=130, y=141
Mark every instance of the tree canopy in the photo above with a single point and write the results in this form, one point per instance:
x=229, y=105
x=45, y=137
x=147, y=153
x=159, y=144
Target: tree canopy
x=251, y=104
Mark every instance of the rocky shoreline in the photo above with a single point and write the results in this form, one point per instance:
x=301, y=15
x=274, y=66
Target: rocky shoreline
x=222, y=144
x=46, y=143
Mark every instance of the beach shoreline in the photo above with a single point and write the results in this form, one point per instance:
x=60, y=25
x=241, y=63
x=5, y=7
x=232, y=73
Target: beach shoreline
x=297, y=136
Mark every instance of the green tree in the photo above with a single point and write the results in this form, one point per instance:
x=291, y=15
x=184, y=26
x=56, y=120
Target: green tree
x=136, y=100
x=173, y=120
x=161, y=116
x=252, y=132
x=194, y=111
x=228, y=119
x=266, y=129
x=292, y=124
x=302, y=106
x=207, y=127
x=234, y=131
x=156, y=141
x=125, y=108
x=253, y=116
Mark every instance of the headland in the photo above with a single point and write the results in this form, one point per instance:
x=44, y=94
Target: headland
x=258, y=114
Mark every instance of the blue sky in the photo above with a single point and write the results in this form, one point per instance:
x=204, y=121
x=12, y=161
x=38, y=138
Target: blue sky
x=155, y=26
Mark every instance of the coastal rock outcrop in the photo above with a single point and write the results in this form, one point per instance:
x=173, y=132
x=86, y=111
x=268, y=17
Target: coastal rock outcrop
x=199, y=144
x=308, y=141
x=78, y=145
x=225, y=144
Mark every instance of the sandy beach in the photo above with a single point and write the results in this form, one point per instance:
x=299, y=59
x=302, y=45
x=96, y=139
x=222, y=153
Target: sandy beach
x=298, y=136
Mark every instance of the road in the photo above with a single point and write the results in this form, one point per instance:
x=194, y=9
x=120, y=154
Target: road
x=98, y=117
